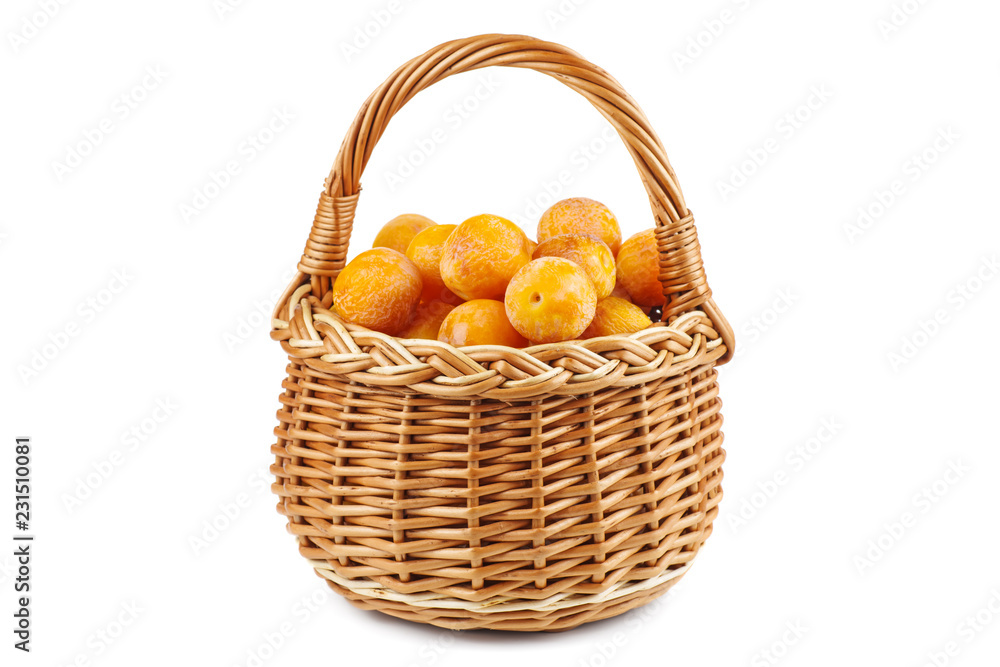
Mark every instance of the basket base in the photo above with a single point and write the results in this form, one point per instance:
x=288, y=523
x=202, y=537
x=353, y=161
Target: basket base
x=519, y=621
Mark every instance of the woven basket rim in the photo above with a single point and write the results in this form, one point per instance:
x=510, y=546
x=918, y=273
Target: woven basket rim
x=678, y=325
x=326, y=343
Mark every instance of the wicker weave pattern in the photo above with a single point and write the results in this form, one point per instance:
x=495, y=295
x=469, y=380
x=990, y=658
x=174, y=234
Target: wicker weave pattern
x=485, y=486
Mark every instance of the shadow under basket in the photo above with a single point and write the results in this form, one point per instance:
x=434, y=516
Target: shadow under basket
x=487, y=486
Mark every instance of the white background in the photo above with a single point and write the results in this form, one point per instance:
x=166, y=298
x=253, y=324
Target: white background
x=845, y=546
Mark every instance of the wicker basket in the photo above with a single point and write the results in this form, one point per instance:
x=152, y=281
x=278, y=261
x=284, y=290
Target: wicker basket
x=486, y=486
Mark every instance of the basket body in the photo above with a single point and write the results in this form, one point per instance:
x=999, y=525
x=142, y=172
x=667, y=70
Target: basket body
x=487, y=486
x=474, y=512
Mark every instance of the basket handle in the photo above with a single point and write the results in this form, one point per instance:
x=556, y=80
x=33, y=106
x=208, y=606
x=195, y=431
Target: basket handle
x=682, y=273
